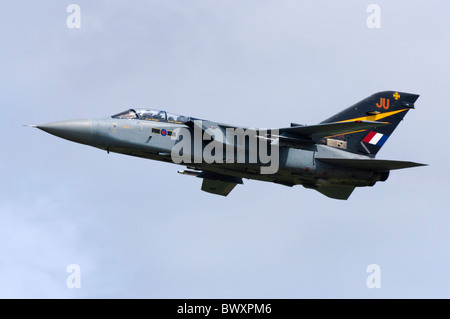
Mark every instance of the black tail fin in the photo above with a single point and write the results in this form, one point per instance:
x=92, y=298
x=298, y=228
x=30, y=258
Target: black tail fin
x=387, y=106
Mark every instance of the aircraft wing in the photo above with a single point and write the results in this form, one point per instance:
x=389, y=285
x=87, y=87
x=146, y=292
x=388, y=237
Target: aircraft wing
x=306, y=131
x=330, y=129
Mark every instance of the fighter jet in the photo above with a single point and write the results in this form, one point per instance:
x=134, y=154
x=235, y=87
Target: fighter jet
x=332, y=157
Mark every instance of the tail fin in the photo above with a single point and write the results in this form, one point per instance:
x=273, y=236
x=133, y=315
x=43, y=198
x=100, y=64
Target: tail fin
x=387, y=106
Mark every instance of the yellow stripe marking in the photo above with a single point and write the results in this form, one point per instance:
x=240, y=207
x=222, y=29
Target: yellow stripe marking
x=373, y=117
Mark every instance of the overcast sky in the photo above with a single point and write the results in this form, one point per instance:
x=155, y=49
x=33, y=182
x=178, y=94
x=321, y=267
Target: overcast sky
x=137, y=229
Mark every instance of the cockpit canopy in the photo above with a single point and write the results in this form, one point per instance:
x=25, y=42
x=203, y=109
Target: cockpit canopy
x=151, y=115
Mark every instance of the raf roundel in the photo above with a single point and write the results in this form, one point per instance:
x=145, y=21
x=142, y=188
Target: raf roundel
x=163, y=132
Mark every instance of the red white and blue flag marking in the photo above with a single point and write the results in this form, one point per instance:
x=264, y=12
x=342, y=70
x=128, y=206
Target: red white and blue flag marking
x=375, y=138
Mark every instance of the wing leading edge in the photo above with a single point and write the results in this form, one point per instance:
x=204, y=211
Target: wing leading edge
x=330, y=129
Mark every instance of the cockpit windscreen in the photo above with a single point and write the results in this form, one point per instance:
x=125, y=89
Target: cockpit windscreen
x=151, y=115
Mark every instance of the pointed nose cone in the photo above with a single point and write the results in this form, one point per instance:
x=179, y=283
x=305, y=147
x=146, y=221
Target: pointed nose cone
x=79, y=131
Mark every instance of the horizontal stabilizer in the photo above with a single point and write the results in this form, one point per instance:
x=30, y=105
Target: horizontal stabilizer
x=372, y=164
x=330, y=129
